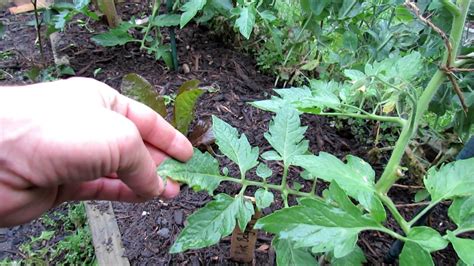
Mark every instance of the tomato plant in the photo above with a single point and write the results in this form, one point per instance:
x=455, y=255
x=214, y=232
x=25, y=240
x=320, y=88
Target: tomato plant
x=327, y=226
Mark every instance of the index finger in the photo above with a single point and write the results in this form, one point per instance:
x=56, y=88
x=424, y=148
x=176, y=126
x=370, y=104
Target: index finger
x=153, y=128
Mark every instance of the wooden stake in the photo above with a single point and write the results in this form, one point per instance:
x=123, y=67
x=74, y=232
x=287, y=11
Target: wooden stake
x=107, y=7
x=242, y=245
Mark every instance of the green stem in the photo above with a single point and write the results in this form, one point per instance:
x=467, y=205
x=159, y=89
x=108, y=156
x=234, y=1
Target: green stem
x=38, y=31
x=390, y=119
x=388, y=232
x=423, y=212
x=156, y=6
x=395, y=213
x=313, y=187
x=389, y=176
x=283, y=186
x=269, y=186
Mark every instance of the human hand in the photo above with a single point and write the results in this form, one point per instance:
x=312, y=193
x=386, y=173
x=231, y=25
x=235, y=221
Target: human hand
x=78, y=139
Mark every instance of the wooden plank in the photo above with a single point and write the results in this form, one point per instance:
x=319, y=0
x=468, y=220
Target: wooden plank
x=106, y=236
x=27, y=7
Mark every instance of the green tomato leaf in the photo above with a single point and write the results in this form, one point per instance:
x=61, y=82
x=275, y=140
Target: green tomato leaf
x=461, y=212
x=315, y=6
x=114, y=37
x=463, y=248
x=356, y=177
x=455, y=179
x=61, y=19
x=285, y=97
x=212, y=222
x=245, y=212
x=139, y=89
x=288, y=254
x=267, y=15
x=414, y=254
x=271, y=156
x=421, y=195
x=167, y=20
x=286, y=135
x=263, y=171
x=355, y=258
x=201, y=172
x=427, y=238
x=237, y=149
x=184, y=109
x=190, y=9
x=320, y=225
x=246, y=21
x=263, y=198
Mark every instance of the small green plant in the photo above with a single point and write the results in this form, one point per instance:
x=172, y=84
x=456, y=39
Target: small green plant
x=74, y=249
x=326, y=226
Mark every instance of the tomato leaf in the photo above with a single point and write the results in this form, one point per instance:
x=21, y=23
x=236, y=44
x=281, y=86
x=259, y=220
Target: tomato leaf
x=427, y=238
x=139, y=89
x=190, y=9
x=167, y=20
x=237, y=149
x=263, y=198
x=212, y=222
x=115, y=36
x=184, y=109
x=463, y=248
x=355, y=258
x=286, y=135
x=320, y=225
x=201, y=172
x=285, y=97
x=356, y=177
x=414, y=254
x=246, y=21
x=455, y=179
x=288, y=254
x=263, y=171
x=461, y=212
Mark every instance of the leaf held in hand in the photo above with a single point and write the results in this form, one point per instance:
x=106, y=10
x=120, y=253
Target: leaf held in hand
x=184, y=109
x=201, y=172
x=139, y=89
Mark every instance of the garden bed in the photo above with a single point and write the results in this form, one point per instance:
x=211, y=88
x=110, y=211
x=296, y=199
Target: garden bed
x=148, y=229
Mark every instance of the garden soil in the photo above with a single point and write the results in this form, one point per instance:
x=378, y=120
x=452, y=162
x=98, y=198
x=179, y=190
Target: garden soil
x=149, y=229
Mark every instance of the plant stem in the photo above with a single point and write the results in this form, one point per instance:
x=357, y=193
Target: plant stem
x=423, y=212
x=388, y=232
x=269, y=186
x=390, y=119
x=283, y=186
x=156, y=5
x=389, y=176
x=38, y=30
x=395, y=213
